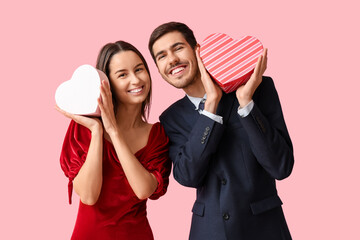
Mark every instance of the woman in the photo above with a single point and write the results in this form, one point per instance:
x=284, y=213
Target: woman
x=116, y=163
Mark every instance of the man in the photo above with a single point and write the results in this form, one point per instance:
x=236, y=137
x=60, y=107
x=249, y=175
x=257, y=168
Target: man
x=231, y=151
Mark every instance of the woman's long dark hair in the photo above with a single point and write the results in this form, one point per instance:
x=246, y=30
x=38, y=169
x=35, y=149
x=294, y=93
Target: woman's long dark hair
x=102, y=63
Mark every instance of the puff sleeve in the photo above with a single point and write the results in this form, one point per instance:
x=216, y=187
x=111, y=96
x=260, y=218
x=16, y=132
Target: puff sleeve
x=158, y=161
x=74, y=150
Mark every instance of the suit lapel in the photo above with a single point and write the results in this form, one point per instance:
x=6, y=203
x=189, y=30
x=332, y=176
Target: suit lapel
x=188, y=111
x=225, y=106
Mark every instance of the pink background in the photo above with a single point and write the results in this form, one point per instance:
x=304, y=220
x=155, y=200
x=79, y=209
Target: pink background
x=313, y=59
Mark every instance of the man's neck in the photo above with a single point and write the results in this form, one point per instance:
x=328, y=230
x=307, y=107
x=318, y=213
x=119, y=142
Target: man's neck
x=195, y=89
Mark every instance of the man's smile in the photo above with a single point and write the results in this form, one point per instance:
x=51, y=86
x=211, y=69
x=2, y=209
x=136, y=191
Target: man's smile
x=178, y=70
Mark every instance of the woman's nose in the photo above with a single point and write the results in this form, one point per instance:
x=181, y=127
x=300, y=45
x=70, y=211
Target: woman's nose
x=135, y=79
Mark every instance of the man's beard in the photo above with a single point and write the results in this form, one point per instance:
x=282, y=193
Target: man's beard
x=181, y=84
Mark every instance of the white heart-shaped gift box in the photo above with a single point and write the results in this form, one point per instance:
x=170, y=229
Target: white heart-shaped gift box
x=79, y=94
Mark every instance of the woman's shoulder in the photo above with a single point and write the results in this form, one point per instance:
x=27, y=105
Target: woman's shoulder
x=157, y=133
x=76, y=128
x=77, y=136
x=157, y=128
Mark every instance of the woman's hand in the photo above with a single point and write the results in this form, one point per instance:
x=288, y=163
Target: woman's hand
x=107, y=109
x=245, y=92
x=213, y=91
x=93, y=124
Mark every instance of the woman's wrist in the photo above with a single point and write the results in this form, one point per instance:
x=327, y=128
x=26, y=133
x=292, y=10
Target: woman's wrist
x=114, y=133
x=97, y=131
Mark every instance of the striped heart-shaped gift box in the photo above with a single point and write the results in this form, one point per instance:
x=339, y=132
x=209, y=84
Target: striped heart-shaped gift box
x=230, y=62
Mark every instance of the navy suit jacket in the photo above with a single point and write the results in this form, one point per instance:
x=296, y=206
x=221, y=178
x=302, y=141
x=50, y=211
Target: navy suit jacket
x=232, y=165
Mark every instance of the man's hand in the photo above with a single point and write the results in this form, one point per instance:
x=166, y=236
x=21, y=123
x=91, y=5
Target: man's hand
x=245, y=92
x=213, y=91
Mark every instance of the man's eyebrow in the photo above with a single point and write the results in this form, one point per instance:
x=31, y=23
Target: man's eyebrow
x=172, y=46
x=159, y=53
x=177, y=44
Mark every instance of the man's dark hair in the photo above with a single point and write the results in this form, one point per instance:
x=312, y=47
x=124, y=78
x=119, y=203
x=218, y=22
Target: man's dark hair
x=171, y=27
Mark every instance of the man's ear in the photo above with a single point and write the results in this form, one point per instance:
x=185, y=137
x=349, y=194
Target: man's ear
x=197, y=46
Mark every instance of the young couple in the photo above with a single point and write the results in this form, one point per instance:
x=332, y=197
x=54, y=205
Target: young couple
x=230, y=147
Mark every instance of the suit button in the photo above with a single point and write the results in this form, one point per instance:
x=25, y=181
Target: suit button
x=223, y=181
x=226, y=216
x=207, y=129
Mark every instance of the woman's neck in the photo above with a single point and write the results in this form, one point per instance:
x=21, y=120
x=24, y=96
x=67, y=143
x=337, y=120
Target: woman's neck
x=129, y=116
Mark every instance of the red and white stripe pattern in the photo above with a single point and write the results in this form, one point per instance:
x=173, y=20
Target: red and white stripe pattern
x=230, y=62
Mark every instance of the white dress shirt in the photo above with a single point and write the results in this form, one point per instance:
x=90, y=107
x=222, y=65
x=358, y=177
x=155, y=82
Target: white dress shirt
x=243, y=112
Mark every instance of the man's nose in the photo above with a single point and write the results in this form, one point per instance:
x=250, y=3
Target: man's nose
x=173, y=58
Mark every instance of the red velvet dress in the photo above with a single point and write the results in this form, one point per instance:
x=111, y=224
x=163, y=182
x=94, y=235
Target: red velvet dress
x=118, y=213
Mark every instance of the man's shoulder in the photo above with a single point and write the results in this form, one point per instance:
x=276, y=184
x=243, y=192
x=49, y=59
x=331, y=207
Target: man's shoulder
x=267, y=82
x=174, y=109
x=266, y=87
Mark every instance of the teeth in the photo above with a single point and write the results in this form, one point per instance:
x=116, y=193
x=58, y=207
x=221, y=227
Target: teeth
x=135, y=90
x=177, y=70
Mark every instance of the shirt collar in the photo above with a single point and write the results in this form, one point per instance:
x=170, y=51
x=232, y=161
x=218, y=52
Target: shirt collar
x=196, y=100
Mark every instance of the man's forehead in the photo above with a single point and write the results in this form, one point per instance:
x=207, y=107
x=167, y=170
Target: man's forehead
x=168, y=40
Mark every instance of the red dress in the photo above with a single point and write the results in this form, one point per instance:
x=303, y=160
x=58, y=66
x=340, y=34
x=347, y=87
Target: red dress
x=118, y=213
